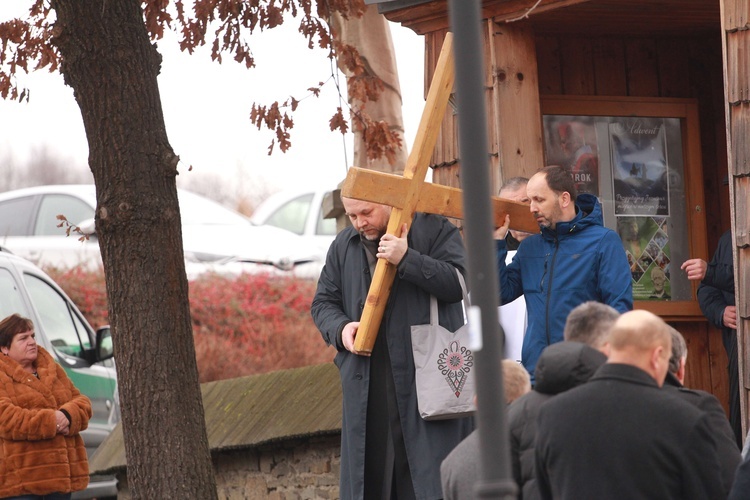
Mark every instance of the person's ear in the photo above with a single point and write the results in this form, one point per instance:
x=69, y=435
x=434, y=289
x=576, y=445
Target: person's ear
x=656, y=357
x=605, y=349
x=564, y=199
x=681, y=371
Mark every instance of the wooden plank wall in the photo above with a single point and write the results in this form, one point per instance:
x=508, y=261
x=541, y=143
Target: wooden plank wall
x=445, y=156
x=650, y=67
x=511, y=85
x=735, y=27
x=658, y=67
x=515, y=93
x=687, y=67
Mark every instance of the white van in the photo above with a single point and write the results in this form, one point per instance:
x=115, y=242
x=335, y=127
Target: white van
x=85, y=354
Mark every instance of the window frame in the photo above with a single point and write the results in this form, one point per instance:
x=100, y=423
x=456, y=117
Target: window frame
x=686, y=110
x=76, y=320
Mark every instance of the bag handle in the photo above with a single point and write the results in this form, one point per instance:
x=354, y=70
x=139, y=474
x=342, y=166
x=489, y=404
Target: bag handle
x=433, y=301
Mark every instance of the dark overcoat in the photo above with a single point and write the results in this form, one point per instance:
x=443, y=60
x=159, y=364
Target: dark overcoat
x=726, y=445
x=561, y=367
x=715, y=293
x=742, y=481
x=619, y=436
x=429, y=267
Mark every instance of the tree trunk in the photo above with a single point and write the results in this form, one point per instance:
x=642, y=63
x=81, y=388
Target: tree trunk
x=371, y=36
x=112, y=67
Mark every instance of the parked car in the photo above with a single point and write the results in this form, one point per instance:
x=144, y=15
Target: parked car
x=85, y=354
x=301, y=212
x=214, y=237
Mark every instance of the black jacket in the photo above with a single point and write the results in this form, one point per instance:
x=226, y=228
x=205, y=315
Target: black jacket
x=715, y=293
x=561, y=366
x=726, y=446
x=619, y=436
x=429, y=268
x=716, y=290
x=741, y=485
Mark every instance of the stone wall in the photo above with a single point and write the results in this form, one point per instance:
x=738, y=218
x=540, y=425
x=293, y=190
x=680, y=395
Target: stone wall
x=293, y=469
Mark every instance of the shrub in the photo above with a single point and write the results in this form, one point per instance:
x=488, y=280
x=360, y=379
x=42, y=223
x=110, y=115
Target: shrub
x=243, y=325
x=253, y=324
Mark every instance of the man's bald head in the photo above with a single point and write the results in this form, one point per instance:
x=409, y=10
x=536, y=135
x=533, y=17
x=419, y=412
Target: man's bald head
x=639, y=330
x=644, y=340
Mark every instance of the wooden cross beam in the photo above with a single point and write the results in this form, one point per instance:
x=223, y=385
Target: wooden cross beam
x=409, y=194
x=390, y=189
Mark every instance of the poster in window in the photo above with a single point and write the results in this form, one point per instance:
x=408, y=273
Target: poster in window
x=571, y=142
x=646, y=245
x=640, y=164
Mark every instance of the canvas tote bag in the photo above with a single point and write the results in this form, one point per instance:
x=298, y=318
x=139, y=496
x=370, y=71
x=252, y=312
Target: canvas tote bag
x=444, y=367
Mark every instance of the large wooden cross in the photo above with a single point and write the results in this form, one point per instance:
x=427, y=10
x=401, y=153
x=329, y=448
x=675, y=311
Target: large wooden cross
x=410, y=194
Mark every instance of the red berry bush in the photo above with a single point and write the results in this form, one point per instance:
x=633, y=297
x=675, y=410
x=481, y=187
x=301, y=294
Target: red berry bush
x=253, y=323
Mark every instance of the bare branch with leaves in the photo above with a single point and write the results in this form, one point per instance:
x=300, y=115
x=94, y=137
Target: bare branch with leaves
x=71, y=227
x=225, y=25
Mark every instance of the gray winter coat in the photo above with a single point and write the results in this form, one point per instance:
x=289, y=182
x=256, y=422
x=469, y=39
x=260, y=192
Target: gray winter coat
x=429, y=267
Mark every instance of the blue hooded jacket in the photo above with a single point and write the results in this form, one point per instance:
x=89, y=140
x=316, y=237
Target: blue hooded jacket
x=561, y=268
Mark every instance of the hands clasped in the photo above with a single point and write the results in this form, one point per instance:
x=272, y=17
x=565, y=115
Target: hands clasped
x=61, y=421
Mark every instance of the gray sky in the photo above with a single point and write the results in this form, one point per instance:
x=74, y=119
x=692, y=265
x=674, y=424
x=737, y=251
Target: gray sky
x=207, y=106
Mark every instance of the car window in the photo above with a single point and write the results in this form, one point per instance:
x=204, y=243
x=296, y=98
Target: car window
x=195, y=209
x=292, y=214
x=11, y=296
x=15, y=216
x=325, y=227
x=74, y=209
x=63, y=328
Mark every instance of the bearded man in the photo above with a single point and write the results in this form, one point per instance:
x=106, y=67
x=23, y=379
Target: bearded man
x=573, y=260
x=387, y=450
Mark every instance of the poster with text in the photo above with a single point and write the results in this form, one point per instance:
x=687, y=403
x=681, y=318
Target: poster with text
x=640, y=163
x=570, y=141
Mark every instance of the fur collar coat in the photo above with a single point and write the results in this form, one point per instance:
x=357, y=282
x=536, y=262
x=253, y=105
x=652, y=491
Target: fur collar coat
x=34, y=458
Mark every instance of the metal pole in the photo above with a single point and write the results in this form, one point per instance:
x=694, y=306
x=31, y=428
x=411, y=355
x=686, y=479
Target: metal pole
x=496, y=480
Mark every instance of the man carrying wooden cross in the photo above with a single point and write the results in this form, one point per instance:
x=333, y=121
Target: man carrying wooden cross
x=387, y=449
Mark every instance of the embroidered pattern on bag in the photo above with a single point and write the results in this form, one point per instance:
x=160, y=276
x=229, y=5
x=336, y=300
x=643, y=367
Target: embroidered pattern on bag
x=455, y=362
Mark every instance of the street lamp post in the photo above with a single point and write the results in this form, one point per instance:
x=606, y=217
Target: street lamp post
x=496, y=480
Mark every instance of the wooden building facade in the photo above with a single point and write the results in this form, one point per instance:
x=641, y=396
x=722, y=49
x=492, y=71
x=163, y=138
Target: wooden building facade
x=600, y=76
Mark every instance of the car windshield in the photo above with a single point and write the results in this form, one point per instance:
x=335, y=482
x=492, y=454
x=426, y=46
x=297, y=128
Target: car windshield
x=195, y=209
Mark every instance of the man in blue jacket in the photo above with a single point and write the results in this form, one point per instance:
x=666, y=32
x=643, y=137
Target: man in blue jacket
x=573, y=260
